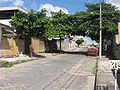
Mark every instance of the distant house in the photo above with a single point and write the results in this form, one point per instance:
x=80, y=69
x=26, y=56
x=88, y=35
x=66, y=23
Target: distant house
x=9, y=46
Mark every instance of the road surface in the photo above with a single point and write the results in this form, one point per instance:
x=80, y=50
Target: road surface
x=60, y=72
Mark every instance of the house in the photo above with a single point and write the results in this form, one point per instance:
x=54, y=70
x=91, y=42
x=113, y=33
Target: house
x=16, y=44
x=116, y=44
x=10, y=43
x=7, y=12
x=9, y=46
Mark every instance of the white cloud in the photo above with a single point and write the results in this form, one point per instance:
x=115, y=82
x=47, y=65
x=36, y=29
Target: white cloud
x=51, y=8
x=18, y=2
x=114, y=2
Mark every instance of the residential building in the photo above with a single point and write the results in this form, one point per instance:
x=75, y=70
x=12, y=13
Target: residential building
x=8, y=43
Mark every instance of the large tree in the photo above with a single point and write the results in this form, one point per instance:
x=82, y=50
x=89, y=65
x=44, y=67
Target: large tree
x=56, y=26
x=32, y=22
x=28, y=25
x=60, y=24
x=88, y=21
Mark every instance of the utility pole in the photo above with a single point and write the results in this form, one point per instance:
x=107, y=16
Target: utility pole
x=115, y=79
x=100, y=47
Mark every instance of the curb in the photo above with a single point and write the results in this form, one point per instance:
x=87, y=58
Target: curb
x=96, y=74
x=7, y=64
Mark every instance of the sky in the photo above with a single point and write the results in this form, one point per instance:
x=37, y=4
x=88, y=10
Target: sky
x=68, y=6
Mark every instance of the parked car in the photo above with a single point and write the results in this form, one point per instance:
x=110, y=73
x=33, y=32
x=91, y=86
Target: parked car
x=92, y=51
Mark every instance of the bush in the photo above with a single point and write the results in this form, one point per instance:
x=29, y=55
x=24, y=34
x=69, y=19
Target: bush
x=79, y=41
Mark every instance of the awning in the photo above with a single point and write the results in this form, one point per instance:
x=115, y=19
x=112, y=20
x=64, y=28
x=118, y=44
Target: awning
x=6, y=22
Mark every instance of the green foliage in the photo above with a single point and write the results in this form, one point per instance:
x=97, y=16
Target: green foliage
x=95, y=68
x=31, y=22
x=84, y=23
x=89, y=20
x=18, y=21
x=7, y=65
x=79, y=41
x=10, y=64
x=57, y=25
x=38, y=24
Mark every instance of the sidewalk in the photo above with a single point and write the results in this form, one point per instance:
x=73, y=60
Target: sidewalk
x=15, y=59
x=105, y=77
x=25, y=58
x=8, y=62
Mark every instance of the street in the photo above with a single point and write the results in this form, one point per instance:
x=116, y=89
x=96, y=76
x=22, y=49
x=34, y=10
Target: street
x=59, y=72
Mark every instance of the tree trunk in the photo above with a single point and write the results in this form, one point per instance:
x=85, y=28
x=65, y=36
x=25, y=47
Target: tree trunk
x=60, y=45
x=31, y=54
x=27, y=45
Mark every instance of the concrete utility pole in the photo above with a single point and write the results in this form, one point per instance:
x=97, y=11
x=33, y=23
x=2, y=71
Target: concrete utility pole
x=115, y=79
x=100, y=47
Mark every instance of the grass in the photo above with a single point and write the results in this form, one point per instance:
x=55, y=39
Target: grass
x=95, y=68
x=10, y=64
x=7, y=65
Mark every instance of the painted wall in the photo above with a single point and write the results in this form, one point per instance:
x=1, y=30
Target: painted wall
x=6, y=47
x=38, y=45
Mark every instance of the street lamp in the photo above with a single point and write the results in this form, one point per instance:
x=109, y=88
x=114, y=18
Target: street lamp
x=100, y=47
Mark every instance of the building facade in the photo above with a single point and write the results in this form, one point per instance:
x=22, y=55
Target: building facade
x=9, y=45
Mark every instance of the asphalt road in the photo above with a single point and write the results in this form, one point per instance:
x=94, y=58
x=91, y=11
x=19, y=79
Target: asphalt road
x=60, y=72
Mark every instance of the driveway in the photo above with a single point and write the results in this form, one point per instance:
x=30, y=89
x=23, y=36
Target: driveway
x=59, y=72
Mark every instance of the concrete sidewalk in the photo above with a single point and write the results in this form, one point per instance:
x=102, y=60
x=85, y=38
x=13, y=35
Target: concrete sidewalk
x=25, y=58
x=16, y=59
x=105, y=77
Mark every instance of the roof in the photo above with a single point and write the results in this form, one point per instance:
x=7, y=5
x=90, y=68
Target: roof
x=6, y=22
x=13, y=8
x=11, y=29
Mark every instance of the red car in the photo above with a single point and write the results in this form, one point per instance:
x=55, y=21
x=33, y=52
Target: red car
x=92, y=51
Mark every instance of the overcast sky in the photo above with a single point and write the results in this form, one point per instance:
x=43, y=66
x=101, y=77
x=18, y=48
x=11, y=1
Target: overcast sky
x=68, y=6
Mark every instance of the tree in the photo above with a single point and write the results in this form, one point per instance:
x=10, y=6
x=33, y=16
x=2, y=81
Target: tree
x=79, y=41
x=29, y=24
x=56, y=27
x=87, y=22
x=41, y=22
x=19, y=21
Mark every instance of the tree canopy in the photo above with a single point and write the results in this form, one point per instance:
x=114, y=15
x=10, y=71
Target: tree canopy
x=89, y=20
x=57, y=25
x=84, y=23
x=32, y=22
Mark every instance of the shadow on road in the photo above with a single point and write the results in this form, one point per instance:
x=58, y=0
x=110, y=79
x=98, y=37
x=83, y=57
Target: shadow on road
x=38, y=56
x=75, y=52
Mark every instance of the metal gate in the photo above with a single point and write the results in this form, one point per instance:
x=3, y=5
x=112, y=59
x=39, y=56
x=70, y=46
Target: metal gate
x=102, y=87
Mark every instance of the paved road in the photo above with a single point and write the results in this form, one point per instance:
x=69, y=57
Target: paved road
x=61, y=72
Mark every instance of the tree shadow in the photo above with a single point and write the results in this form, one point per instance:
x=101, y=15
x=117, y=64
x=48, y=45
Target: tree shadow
x=111, y=56
x=38, y=56
x=51, y=46
x=76, y=52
